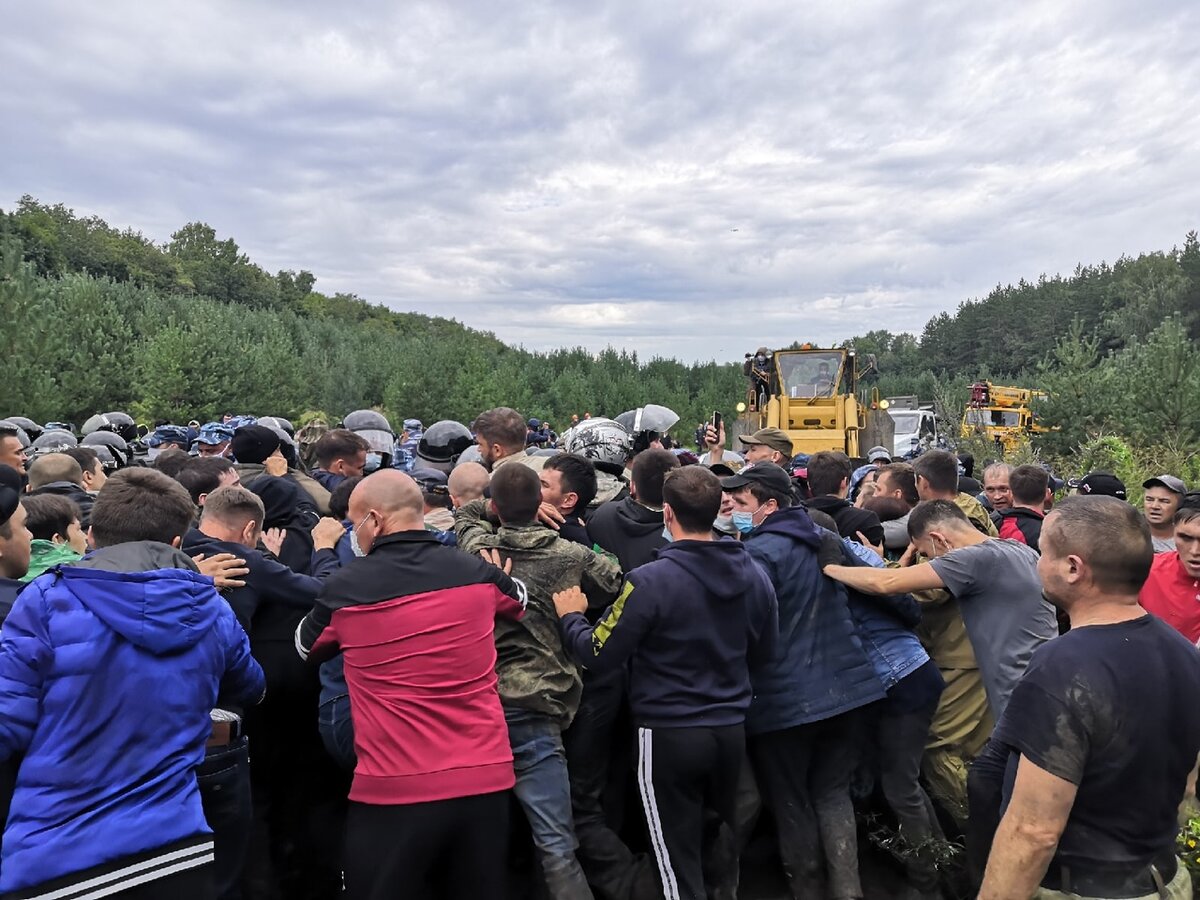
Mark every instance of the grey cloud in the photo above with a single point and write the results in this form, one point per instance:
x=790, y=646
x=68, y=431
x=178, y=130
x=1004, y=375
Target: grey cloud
x=569, y=174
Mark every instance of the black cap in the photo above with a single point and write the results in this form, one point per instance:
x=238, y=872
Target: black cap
x=1101, y=484
x=767, y=474
x=253, y=443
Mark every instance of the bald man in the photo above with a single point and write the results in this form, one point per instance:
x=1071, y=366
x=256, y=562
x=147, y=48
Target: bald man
x=414, y=621
x=467, y=482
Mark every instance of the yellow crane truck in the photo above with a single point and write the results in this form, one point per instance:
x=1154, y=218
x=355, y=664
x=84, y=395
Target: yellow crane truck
x=1006, y=415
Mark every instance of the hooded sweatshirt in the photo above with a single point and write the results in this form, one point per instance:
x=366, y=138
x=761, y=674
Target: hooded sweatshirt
x=108, y=671
x=73, y=492
x=629, y=531
x=693, y=622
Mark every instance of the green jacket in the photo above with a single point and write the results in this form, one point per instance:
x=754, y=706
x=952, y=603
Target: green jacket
x=534, y=672
x=47, y=554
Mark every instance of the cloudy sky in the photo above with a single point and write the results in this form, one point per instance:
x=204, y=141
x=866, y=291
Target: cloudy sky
x=688, y=179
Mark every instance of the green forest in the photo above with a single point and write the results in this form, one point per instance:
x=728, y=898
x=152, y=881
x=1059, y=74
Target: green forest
x=99, y=318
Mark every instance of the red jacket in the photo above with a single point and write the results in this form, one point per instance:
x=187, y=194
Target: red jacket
x=414, y=622
x=1172, y=595
x=1017, y=523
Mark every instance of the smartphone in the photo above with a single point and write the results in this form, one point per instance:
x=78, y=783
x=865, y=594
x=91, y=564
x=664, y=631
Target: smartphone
x=716, y=422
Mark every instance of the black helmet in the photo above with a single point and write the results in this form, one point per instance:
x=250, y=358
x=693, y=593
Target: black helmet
x=32, y=429
x=54, y=442
x=8, y=426
x=115, y=422
x=442, y=443
x=117, y=446
x=374, y=428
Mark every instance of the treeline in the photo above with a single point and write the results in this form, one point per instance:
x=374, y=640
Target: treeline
x=99, y=318
x=96, y=318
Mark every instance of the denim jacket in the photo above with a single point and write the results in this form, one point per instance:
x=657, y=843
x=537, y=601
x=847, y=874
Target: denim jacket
x=884, y=624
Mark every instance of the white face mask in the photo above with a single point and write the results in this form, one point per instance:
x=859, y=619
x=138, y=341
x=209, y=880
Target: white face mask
x=152, y=453
x=355, y=547
x=724, y=524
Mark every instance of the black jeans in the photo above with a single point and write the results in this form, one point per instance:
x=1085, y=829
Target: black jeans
x=804, y=776
x=611, y=868
x=901, y=730
x=224, y=779
x=444, y=850
x=688, y=778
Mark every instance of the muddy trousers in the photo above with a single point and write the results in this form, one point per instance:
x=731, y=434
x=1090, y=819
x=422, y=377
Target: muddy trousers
x=804, y=776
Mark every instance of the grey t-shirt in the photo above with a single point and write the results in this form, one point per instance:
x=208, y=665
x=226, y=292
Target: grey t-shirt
x=1163, y=545
x=999, y=593
x=895, y=533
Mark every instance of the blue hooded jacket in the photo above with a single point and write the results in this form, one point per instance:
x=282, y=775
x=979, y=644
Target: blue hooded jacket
x=820, y=668
x=108, y=671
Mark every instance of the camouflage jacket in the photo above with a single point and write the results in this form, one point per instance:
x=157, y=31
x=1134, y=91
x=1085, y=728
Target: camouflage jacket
x=535, y=673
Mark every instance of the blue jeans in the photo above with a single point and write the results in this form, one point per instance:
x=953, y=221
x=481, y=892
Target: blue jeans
x=224, y=780
x=544, y=791
x=333, y=715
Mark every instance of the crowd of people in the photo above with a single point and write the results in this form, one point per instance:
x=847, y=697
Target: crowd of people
x=483, y=660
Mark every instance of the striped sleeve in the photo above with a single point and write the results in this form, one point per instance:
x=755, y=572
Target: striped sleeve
x=615, y=637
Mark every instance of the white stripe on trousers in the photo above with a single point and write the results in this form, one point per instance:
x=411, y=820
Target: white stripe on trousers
x=650, y=805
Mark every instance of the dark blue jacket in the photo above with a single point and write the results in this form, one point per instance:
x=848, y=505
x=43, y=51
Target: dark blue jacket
x=275, y=598
x=328, y=480
x=820, y=668
x=693, y=621
x=108, y=671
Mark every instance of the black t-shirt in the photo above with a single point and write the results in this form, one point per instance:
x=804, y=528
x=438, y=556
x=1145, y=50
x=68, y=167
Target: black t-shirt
x=1111, y=709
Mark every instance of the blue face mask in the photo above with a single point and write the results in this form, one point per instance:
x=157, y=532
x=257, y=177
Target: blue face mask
x=374, y=461
x=667, y=534
x=744, y=521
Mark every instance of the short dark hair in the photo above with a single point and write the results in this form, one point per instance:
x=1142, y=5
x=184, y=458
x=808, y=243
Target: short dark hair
x=202, y=475
x=1028, y=484
x=339, y=497
x=50, y=514
x=939, y=468
x=887, y=508
x=516, y=493
x=1106, y=533
x=87, y=458
x=901, y=476
x=503, y=426
x=140, y=504
x=827, y=469
x=1186, y=514
x=762, y=494
x=341, y=443
x=650, y=468
x=694, y=493
x=169, y=462
x=578, y=474
x=930, y=514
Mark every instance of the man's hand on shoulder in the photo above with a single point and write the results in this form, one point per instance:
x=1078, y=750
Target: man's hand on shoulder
x=572, y=600
x=225, y=569
x=549, y=516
